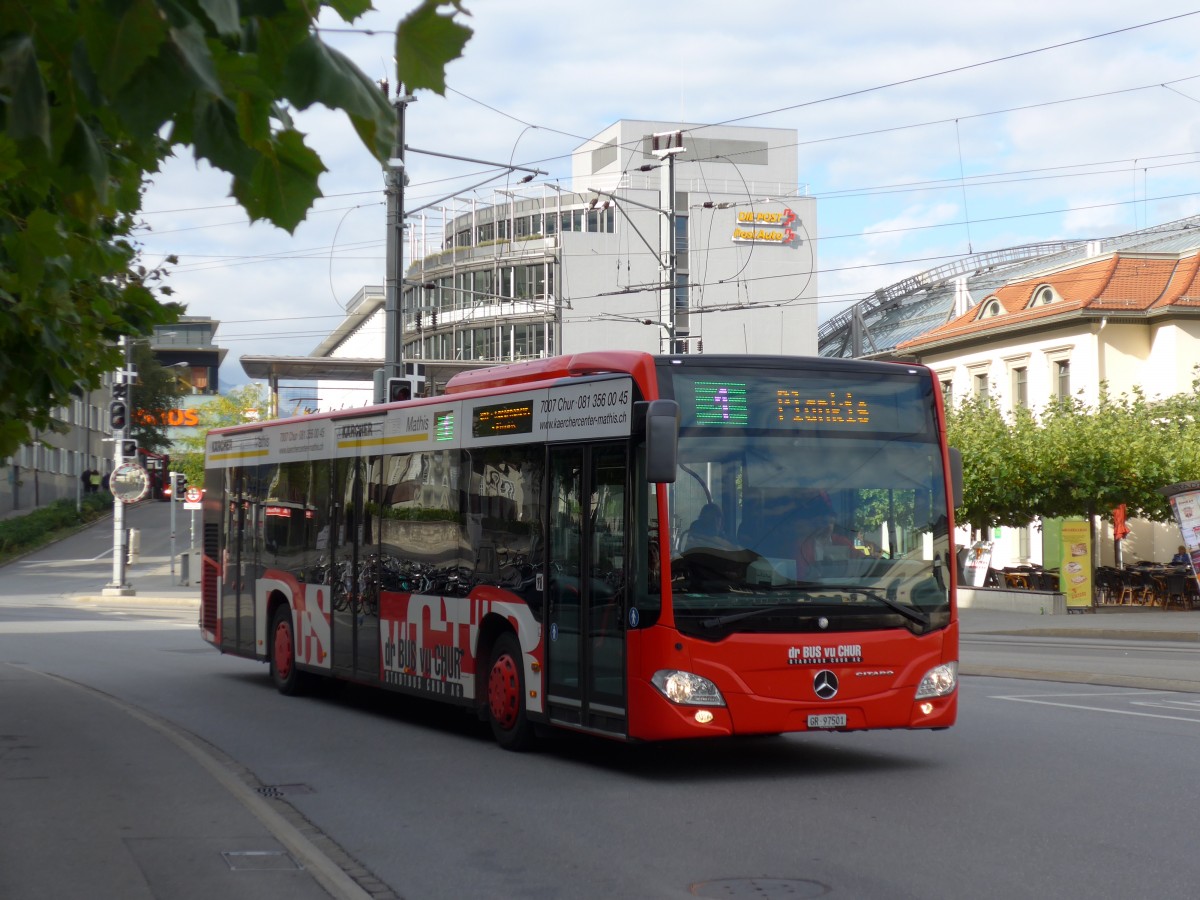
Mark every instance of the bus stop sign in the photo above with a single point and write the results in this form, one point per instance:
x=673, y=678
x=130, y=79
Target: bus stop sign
x=129, y=482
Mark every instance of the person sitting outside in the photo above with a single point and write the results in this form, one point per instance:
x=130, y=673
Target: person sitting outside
x=1181, y=558
x=707, y=530
x=822, y=544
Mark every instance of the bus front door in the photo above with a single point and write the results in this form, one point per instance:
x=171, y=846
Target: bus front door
x=585, y=587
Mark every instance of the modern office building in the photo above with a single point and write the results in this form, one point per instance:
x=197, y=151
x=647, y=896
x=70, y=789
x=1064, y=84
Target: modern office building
x=670, y=238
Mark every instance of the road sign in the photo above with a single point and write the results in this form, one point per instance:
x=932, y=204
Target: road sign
x=129, y=482
x=192, y=495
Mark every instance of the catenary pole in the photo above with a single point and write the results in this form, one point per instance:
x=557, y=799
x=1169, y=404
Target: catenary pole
x=395, y=178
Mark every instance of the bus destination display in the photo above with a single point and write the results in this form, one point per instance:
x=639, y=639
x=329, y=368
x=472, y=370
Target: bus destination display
x=893, y=406
x=503, y=418
x=833, y=408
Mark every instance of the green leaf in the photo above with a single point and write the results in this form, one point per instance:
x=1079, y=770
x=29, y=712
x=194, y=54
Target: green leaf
x=425, y=42
x=224, y=16
x=216, y=139
x=118, y=52
x=284, y=185
x=350, y=9
x=317, y=73
x=83, y=154
x=188, y=42
x=28, y=114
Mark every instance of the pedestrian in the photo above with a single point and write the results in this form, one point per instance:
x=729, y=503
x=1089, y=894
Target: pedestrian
x=103, y=482
x=94, y=477
x=85, y=480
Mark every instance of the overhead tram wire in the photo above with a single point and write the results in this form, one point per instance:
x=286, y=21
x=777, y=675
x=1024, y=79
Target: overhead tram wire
x=964, y=68
x=827, y=195
x=872, y=89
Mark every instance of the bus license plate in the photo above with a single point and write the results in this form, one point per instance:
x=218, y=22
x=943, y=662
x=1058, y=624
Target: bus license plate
x=827, y=720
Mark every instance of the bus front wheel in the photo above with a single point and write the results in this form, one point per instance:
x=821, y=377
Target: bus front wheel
x=506, y=695
x=286, y=677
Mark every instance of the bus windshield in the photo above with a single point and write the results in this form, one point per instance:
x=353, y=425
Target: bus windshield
x=835, y=523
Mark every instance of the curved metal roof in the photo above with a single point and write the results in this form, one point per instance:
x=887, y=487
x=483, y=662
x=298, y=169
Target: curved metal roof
x=875, y=325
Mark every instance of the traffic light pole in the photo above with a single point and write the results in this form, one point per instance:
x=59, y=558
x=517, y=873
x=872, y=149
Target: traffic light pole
x=175, y=480
x=119, y=419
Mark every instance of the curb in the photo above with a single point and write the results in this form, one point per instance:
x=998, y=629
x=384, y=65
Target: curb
x=139, y=599
x=1099, y=634
x=1122, y=681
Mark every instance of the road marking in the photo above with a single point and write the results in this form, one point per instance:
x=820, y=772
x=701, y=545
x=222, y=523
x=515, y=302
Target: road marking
x=1040, y=699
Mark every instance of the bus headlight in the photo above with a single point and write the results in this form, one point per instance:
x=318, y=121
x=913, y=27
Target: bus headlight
x=687, y=689
x=939, y=681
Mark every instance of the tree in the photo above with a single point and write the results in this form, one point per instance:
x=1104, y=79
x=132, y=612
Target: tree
x=235, y=407
x=1000, y=481
x=94, y=96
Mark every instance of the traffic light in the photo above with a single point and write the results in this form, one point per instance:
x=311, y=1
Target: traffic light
x=120, y=391
x=118, y=415
x=178, y=486
x=400, y=389
x=128, y=448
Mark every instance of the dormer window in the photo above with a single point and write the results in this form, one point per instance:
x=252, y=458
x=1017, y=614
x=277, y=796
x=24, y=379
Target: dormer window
x=1042, y=296
x=991, y=309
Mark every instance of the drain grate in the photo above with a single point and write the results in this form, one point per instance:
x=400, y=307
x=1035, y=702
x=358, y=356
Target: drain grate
x=258, y=860
x=762, y=888
x=283, y=790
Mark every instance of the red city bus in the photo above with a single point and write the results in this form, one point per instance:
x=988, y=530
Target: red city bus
x=158, y=471
x=643, y=548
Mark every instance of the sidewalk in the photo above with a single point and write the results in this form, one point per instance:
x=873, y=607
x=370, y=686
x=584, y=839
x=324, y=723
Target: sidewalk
x=1106, y=623
x=152, y=584
x=103, y=800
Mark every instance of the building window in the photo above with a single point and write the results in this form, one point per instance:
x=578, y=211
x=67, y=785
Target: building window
x=948, y=393
x=1020, y=388
x=1023, y=542
x=981, y=385
x=1062, y=379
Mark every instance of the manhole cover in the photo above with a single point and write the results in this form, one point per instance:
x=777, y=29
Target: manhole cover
x=770, y=888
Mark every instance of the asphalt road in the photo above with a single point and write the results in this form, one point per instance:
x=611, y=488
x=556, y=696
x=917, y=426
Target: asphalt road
x=1045, y=787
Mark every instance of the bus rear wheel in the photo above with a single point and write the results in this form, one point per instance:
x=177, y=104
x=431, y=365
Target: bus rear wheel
x=286, y=677
x=506, y=695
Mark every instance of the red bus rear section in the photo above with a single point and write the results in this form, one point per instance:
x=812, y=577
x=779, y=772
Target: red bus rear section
x=641, y=548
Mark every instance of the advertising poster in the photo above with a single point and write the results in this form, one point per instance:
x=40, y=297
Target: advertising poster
x=1076, y=564
x=1186, y=506
x=978, y=561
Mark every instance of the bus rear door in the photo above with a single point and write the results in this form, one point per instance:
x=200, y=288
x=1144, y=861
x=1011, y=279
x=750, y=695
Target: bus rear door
x=585, y=587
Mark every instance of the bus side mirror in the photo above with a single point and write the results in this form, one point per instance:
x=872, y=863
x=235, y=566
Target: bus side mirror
x=956, y=476
x=662, y=441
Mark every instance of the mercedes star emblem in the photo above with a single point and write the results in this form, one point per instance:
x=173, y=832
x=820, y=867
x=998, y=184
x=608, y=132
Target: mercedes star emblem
x=825, y=683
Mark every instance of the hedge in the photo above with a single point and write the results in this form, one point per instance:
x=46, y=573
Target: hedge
x=41, y=526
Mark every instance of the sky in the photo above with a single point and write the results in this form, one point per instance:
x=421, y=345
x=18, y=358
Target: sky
x=927, y=130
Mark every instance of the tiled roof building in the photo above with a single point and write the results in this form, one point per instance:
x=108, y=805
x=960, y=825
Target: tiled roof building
x=1026, y=327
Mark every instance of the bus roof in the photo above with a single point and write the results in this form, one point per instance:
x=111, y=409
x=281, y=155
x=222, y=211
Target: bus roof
x=633, y=362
